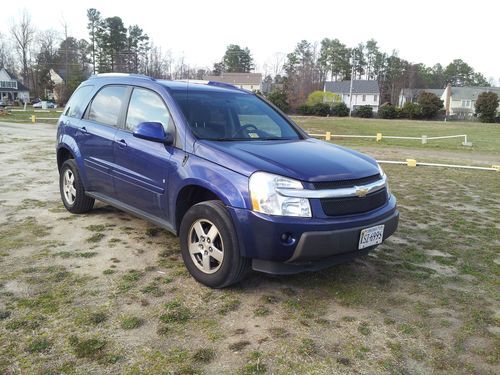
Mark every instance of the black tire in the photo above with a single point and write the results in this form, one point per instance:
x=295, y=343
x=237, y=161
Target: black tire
x=233, y=266
x=82, y=202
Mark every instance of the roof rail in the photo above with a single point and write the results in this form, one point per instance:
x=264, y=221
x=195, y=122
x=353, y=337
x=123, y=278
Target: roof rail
x=222, y=84
x=104, y=75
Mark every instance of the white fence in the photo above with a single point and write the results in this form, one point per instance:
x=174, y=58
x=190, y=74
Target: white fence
x=378, y=137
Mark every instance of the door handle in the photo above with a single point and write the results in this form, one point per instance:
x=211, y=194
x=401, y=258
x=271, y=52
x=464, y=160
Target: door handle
x=83, y=129
x=122, y=143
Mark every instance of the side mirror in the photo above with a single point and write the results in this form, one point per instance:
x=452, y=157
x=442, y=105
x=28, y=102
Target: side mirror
x=153, y=131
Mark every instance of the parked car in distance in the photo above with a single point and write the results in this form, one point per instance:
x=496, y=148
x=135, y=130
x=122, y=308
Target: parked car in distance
x=50, y=105
x=3, y=104
x=239, y=182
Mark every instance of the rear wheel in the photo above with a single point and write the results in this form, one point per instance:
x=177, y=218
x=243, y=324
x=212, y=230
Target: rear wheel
x=72, y=191
x=210, y=247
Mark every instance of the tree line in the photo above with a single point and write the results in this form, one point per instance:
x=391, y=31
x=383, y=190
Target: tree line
x=112, y=46
x=309, y=65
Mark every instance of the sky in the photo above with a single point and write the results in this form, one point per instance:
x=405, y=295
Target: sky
x=421, y=31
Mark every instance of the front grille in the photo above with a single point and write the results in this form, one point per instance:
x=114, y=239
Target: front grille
x=346, y=183
x=354, y=205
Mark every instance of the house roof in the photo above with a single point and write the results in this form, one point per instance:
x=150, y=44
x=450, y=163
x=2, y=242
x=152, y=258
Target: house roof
x=359, y=86
x=236, y=78
x=20, y=86
x=414, y=93
x=471, y=93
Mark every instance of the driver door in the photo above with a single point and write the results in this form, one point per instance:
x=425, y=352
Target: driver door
x=142, y=167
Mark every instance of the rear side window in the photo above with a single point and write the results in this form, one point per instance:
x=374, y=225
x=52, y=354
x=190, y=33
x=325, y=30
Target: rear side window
x=146, y=106
x=105, y=107
x=78, y=102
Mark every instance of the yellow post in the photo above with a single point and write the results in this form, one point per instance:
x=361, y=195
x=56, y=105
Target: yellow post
x=328, y=136
x=411, y=162
x=33, y=119
x=497, y=167
x=379, y=137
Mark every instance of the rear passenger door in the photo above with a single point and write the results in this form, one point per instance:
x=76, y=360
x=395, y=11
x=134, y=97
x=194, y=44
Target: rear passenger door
x=141, y=166
x=96, y=134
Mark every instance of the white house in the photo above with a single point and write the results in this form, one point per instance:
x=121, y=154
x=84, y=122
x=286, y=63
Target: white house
x=364, y=92
x=247, y=81
x=411, y=95
x=11, y=89
x=459, y=102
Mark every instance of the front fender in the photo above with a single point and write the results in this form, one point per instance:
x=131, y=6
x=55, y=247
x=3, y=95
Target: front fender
x=231, y=187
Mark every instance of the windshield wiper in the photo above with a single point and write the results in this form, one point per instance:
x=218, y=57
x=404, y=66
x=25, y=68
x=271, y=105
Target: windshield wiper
x=248, y=139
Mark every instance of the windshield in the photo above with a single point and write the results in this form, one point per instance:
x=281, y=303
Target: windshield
x=230, y=116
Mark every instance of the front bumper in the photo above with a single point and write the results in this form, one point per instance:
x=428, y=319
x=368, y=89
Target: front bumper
x=313, y=243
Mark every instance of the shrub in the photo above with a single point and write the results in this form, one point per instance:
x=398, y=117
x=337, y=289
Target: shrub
x=322, y=97
x=305, y=110
x=430, y=104
x=339, y=110
x=486, y=106
x=318, y=109
x=321, y=109
x=364, y=111
x=280, y=99
x=411, y=111
x=387, y=111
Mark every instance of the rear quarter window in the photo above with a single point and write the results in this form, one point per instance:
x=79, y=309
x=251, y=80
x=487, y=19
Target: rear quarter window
x=78, y=102
x=106, y=105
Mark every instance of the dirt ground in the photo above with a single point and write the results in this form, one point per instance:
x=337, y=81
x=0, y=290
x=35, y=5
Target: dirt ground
x=107, y=293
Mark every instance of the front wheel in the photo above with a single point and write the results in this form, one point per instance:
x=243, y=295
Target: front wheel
x=210, y=247
x=72, y=191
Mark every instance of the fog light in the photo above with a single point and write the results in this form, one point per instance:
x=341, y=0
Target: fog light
x=287, y=239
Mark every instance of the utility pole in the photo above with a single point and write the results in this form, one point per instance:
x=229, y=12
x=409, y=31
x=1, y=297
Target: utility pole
x=66, y=65
x=350, y=89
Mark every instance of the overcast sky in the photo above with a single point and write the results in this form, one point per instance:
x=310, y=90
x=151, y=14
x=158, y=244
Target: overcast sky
x=421, y=31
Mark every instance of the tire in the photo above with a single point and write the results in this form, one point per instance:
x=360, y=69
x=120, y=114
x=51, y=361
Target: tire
x=81, y=203
x=219, y=271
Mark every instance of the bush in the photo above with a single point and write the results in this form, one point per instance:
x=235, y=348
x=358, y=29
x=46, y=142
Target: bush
x=305, y=110
x=364, y=111
x=387, y=111
x=430, y=104
x=322, y=97
x=339, y=110
x=411, y=111
x=318, y=109
x=321, y=109
x=486, y=106
x=279, y=99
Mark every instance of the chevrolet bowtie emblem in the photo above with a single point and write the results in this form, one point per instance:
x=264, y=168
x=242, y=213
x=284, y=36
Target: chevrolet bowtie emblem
x=361, y=192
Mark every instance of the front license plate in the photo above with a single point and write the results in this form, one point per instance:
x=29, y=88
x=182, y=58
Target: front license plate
x=371, y=236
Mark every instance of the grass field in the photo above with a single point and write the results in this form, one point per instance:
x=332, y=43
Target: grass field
x=108, y=293
x=484, y=137
x=17, y=115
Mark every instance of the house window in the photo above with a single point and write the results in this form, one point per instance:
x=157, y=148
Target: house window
x=364, y=98
x=466, y=103
x=375, y=98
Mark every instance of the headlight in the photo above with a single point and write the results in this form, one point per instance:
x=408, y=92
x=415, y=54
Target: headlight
x=382, y=173
x=267, y=200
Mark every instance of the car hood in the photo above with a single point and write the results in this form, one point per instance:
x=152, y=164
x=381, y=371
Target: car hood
x=307, y=159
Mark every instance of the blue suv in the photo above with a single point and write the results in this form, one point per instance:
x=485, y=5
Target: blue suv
x=238, y=181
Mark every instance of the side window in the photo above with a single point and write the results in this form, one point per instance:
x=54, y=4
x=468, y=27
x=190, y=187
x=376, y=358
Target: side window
x=146, y=106
x=105, y=108
x=78, y=102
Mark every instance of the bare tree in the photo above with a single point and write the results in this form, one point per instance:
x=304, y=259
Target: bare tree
x=23, y=33
x=6, y=58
